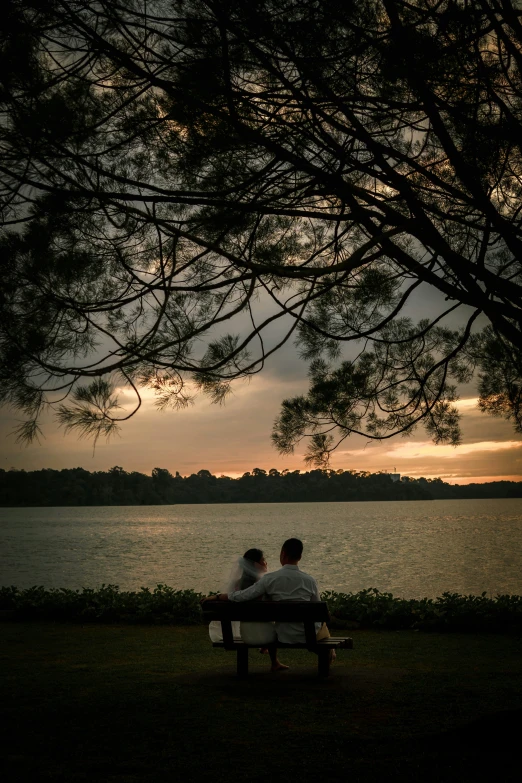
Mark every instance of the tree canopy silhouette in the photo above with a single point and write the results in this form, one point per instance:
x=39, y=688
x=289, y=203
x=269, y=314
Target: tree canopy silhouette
x=180, y=175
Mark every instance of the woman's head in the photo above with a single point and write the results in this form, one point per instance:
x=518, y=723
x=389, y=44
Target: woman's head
x=256, y=556
x=253, y=566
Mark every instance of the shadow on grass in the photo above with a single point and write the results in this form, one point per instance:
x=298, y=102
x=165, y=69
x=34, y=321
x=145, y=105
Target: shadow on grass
x=270, y=684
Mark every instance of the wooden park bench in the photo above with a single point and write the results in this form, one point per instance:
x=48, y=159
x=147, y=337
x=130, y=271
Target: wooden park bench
x=307, y=612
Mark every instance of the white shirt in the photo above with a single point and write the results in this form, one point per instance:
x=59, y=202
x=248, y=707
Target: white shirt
x=287, y=584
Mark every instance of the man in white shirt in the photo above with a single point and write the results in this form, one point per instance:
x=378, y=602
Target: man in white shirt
x=289, y=583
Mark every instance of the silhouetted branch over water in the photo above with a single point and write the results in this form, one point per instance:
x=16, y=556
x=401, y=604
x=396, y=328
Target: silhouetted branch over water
x=116, y=487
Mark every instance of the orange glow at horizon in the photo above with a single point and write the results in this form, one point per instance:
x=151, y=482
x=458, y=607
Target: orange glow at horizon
x=447, y=479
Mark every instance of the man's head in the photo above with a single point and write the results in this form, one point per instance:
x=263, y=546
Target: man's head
x=291, y=552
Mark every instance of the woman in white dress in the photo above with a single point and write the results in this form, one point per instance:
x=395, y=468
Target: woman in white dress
x=249, y=570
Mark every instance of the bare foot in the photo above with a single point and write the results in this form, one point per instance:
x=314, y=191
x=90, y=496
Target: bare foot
x=278, y=667
x=263, y=650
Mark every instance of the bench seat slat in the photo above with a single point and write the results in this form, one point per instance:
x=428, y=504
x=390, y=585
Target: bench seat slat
x=345, y=642
x=331, y=642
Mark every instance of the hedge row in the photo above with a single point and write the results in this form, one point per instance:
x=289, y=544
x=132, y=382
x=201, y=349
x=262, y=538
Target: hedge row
x=366, y=609
x=163, y=605
x=449, y=612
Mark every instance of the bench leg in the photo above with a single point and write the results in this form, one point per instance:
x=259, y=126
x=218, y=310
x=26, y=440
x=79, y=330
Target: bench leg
x=323, y=662
x=242, y=661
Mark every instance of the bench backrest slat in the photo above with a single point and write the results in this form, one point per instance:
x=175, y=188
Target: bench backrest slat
x=266, y=611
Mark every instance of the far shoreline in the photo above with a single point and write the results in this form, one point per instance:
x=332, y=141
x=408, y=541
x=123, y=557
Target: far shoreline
x=261, y=503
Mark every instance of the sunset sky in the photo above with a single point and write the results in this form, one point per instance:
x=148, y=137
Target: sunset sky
x=234, y=438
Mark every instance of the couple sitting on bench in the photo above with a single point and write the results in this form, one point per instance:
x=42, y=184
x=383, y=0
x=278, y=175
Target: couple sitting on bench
x=289, y=583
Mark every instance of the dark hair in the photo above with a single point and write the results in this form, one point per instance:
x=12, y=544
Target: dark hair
x=255, y=555
x=293, y=548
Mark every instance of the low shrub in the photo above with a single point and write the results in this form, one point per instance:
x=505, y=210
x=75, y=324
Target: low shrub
x=162, y=605
x=449, y=612
x=368, y=608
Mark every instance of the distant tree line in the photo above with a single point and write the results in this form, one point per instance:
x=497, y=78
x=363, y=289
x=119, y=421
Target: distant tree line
x=117, y=487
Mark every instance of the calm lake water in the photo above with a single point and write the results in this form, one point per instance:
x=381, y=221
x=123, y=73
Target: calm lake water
x=412, y=549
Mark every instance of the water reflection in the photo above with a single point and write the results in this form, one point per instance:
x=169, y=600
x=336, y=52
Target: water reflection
x=408, y=548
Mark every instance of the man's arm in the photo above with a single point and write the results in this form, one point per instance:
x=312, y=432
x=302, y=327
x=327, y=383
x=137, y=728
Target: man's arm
x=250, y=593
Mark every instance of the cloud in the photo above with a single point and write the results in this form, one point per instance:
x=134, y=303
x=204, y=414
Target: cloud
x=478, y=461
x=467, y=404
x=429, y=449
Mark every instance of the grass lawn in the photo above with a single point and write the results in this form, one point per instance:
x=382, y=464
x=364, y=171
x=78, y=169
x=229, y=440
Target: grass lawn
x=138, y=703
